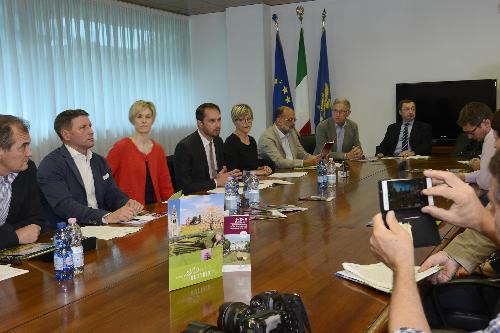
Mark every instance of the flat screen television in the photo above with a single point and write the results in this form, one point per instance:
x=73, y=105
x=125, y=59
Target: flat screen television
x=439, y=103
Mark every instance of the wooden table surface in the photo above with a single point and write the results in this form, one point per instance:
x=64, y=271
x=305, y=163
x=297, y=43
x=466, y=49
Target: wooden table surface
x=125, y=283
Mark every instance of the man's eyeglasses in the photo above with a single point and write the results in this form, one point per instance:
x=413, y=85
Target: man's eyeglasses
x=340, y=111
x=471, y=132
x=290, y=119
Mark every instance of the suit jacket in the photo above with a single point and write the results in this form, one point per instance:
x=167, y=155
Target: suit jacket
x=270, y=147
x=25, y=207
x=62, y=185
x=420, y=139
x=191, y=165
x=326, y=132
x=470, y=248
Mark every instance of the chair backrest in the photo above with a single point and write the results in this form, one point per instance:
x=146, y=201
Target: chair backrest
x=308, y=142
x=170, y=164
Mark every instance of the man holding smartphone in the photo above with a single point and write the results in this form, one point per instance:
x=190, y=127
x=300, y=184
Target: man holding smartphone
x=393, y=245
x=342, y=131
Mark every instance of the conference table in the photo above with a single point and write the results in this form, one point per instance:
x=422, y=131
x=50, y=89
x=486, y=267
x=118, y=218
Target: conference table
x=125, y=283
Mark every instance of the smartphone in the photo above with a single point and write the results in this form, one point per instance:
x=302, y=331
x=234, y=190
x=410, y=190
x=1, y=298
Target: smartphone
x=327, y=147
x=402, y=194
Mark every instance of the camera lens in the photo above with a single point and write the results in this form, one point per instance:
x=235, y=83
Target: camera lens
x=230, y=315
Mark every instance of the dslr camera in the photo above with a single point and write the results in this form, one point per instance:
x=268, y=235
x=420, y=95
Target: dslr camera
x=268, y=312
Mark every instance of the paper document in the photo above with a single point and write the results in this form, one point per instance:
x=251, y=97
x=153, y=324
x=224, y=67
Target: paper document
x=288, y=174
x=107, y=233
x=144, y=218
x=464, y=162
x=377, y=276
x=7, y=272
x=418, y=157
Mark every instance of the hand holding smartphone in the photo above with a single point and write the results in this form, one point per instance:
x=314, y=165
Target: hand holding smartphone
x=405, y=198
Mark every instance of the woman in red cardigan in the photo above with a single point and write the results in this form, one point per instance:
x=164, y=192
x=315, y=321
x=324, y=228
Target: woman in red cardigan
x=138, y=163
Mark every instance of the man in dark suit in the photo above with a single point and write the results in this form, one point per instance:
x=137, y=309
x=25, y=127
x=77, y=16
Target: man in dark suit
x=408, y=137
x=77, y=182
x=21, y=213
x=199, y=157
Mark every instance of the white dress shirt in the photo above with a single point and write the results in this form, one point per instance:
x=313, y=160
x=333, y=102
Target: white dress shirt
x=206, y=145
x=482, y=177
x=285, y=144
x=83, y=164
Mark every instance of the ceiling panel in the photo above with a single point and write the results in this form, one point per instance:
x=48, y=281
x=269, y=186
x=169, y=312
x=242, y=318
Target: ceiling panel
x=195, y=7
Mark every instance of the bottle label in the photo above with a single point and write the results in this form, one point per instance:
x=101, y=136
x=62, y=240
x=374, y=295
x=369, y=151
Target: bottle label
x=77, y=256
x=58, y=263
x=254, y=196
x=231, y=203
x=331, y=179
x=321, y=179
x=68, y=260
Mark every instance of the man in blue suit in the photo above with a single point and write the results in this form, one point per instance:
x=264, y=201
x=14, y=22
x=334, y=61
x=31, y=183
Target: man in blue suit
x=77, y=182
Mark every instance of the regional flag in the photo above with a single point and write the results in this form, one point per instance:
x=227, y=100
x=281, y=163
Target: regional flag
x=323, y=105
x=303, y=123
x=281, y=92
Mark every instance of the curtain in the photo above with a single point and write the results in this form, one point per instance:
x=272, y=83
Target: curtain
x=100, y=56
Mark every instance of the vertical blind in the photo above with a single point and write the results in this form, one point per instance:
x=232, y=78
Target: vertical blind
x=99, y=56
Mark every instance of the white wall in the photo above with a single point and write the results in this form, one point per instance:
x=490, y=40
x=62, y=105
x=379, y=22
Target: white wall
x=209, y=61
x=372, y=45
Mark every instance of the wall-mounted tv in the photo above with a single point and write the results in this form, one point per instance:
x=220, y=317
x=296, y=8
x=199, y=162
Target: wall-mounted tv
x=439, y=103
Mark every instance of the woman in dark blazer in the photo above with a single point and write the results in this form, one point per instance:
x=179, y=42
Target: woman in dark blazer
x=240, y=149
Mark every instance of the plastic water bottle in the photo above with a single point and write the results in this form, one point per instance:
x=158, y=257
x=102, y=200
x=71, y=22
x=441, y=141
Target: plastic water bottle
x=246, y=201
x=253, y=190
x=321, y=171
x=76, y=245
x=232, y=195
x=331, y=173
x=344, y=170
x=63, y=257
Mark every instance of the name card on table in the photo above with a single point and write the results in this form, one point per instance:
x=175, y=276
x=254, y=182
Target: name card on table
x=195, y=236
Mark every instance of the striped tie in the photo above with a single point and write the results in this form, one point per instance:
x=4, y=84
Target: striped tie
x=5, y=195
x=404, y=140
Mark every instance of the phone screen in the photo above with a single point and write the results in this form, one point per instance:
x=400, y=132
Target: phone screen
x=405, y=193
x=327, y=147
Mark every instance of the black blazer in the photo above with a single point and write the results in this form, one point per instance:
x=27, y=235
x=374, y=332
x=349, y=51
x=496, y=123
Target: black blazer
x=62, y=185
x=25, y=207
x=420, y=139
x=191, y=165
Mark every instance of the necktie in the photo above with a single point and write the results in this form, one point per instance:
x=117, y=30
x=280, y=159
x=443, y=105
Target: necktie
x=5, y=195
x=404, y=140
x=212, y=162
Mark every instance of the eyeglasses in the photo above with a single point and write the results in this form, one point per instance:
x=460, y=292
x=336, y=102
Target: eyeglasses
x=290, y=119
x=471, y=132
x=340, y=111
x=245, y=120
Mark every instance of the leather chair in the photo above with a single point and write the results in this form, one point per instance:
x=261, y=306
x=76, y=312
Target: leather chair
x=463, y=304
x=170, y=164
x=308, y=142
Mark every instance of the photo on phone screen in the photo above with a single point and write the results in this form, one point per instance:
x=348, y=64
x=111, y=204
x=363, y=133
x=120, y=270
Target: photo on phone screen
x=405, y=193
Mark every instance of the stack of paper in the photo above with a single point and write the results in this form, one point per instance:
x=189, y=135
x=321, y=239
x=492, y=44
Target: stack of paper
x=107, y=233
x=288, y=174
x=377, y=276
x=7, y=272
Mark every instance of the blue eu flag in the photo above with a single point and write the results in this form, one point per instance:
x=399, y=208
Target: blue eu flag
x=281, y=91
x=323, y=105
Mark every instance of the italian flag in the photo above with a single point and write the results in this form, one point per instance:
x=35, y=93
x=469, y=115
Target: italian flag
x=303, y=124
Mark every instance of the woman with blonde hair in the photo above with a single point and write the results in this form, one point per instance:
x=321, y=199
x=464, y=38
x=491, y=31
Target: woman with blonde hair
x=138, y=163
x=240, y=149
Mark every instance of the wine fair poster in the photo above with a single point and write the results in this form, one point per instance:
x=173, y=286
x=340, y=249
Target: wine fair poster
x=196, y=237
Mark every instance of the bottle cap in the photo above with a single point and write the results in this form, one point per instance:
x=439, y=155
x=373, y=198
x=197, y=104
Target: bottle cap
x=72, y=220
x=61, y=225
